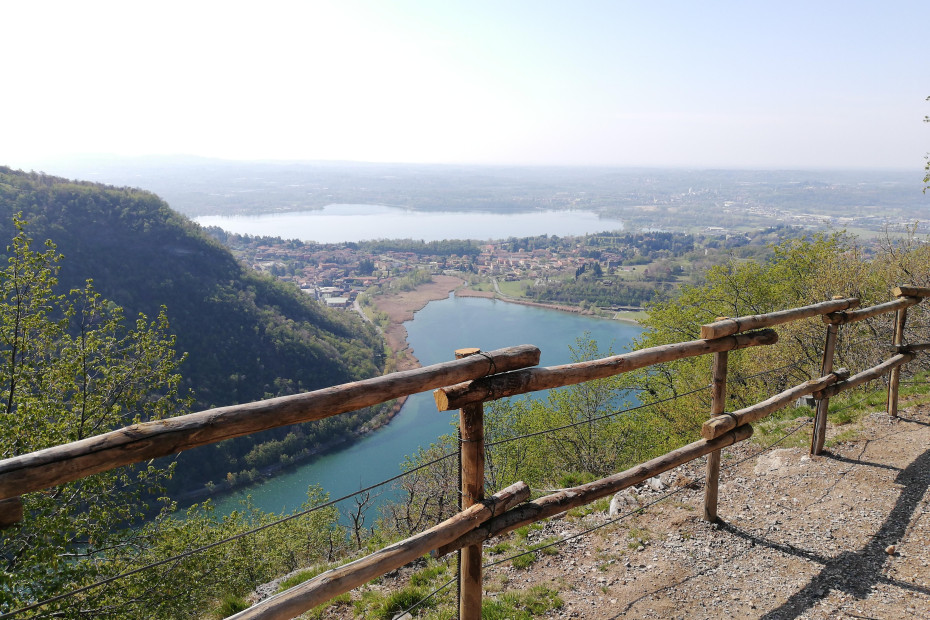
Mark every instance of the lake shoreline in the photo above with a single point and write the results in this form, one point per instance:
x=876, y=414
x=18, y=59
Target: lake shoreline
x=375, y=450
x=400, y=308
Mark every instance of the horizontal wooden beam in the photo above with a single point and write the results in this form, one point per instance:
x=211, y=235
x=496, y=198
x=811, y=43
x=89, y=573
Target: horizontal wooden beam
x=840, y=318
x=563, y=500
x=727, y=327
x=142, y=442
x=11, y=512
x=866, y=375
x=535, y=379
x=307, y=595
x=718, y=425
x=910, y=348
x=910, y=291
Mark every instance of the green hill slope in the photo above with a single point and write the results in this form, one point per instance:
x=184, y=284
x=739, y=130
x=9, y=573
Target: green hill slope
x=247, y=336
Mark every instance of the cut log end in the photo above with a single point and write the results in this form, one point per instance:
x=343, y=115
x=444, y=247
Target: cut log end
x=717, y=426
x=910, y=291
x=719, y=329
x=442, y=399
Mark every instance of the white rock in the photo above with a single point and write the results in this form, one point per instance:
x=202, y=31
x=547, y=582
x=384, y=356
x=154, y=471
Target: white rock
x=621, y=503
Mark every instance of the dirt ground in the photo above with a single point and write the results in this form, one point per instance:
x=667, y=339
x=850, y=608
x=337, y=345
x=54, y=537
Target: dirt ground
x=841, y=535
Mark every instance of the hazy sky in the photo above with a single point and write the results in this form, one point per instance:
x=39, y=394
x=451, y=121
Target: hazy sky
x=740, y=84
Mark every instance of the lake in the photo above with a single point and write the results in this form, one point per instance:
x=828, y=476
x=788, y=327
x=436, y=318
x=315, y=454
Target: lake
x=435, y=333
x=340, y=223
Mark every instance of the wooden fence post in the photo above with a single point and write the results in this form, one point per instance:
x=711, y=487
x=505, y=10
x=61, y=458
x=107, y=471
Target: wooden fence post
x=471, y=449
x=717, y=406
x=900, y=318
x=819, y=434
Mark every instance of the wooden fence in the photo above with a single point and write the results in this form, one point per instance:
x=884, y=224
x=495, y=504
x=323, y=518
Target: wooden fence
x=466, y=383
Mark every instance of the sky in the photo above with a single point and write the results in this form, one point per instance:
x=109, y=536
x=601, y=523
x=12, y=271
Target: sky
x=787, y=84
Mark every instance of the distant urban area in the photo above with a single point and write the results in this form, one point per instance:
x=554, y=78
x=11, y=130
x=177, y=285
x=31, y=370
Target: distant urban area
x=603, y=273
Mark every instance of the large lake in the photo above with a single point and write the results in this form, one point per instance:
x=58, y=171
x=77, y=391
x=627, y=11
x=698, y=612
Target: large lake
x=435, y=333
x=340, y=223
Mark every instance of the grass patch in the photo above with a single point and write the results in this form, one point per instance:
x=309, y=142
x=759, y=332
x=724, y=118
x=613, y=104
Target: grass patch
x=443, y=613
x=428, y=574
x=403, y=599
x=546, y=547
x=913, y=388
x=601, y=505
x=523, y=532
x=485, y=287
x=776, y=425
x=229, y=605
x=638, y=536
x=574, y=478
x=302, y=576
x=637, y=316
x=517, y=288
x=367, y=603
x=524, y=561
x=536, y=601
x=317, y=613
x=501, y=547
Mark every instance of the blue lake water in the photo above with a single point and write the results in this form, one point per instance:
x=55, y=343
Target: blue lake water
x=434, y=334
x=340, y=223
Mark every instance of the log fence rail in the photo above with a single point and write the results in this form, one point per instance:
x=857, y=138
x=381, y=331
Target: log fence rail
x=466, y=383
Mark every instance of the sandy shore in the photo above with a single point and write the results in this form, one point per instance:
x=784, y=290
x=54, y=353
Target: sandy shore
x=400, y=307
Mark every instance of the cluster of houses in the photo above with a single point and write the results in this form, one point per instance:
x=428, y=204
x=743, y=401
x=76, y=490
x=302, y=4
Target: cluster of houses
x=336, y=275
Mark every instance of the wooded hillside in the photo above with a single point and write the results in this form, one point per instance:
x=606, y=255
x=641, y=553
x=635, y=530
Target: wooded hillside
x=246, y=336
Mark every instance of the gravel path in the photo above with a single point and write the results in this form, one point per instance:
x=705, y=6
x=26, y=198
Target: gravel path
x=841, y=535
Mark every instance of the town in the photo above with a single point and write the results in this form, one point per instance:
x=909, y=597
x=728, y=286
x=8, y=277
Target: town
x=603, y=271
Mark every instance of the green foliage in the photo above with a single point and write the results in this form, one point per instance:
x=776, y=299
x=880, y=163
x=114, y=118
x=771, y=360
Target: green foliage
x=412, y=280
x=428, y=495
x=233, y=568
x=599, y=292
x=570, y=437
x=800, y=272
x=70, y=368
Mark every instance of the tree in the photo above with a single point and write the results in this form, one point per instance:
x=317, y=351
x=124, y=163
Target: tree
x=69, y=369
x=800, y=272
x=366, y=267
x=589, y=441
